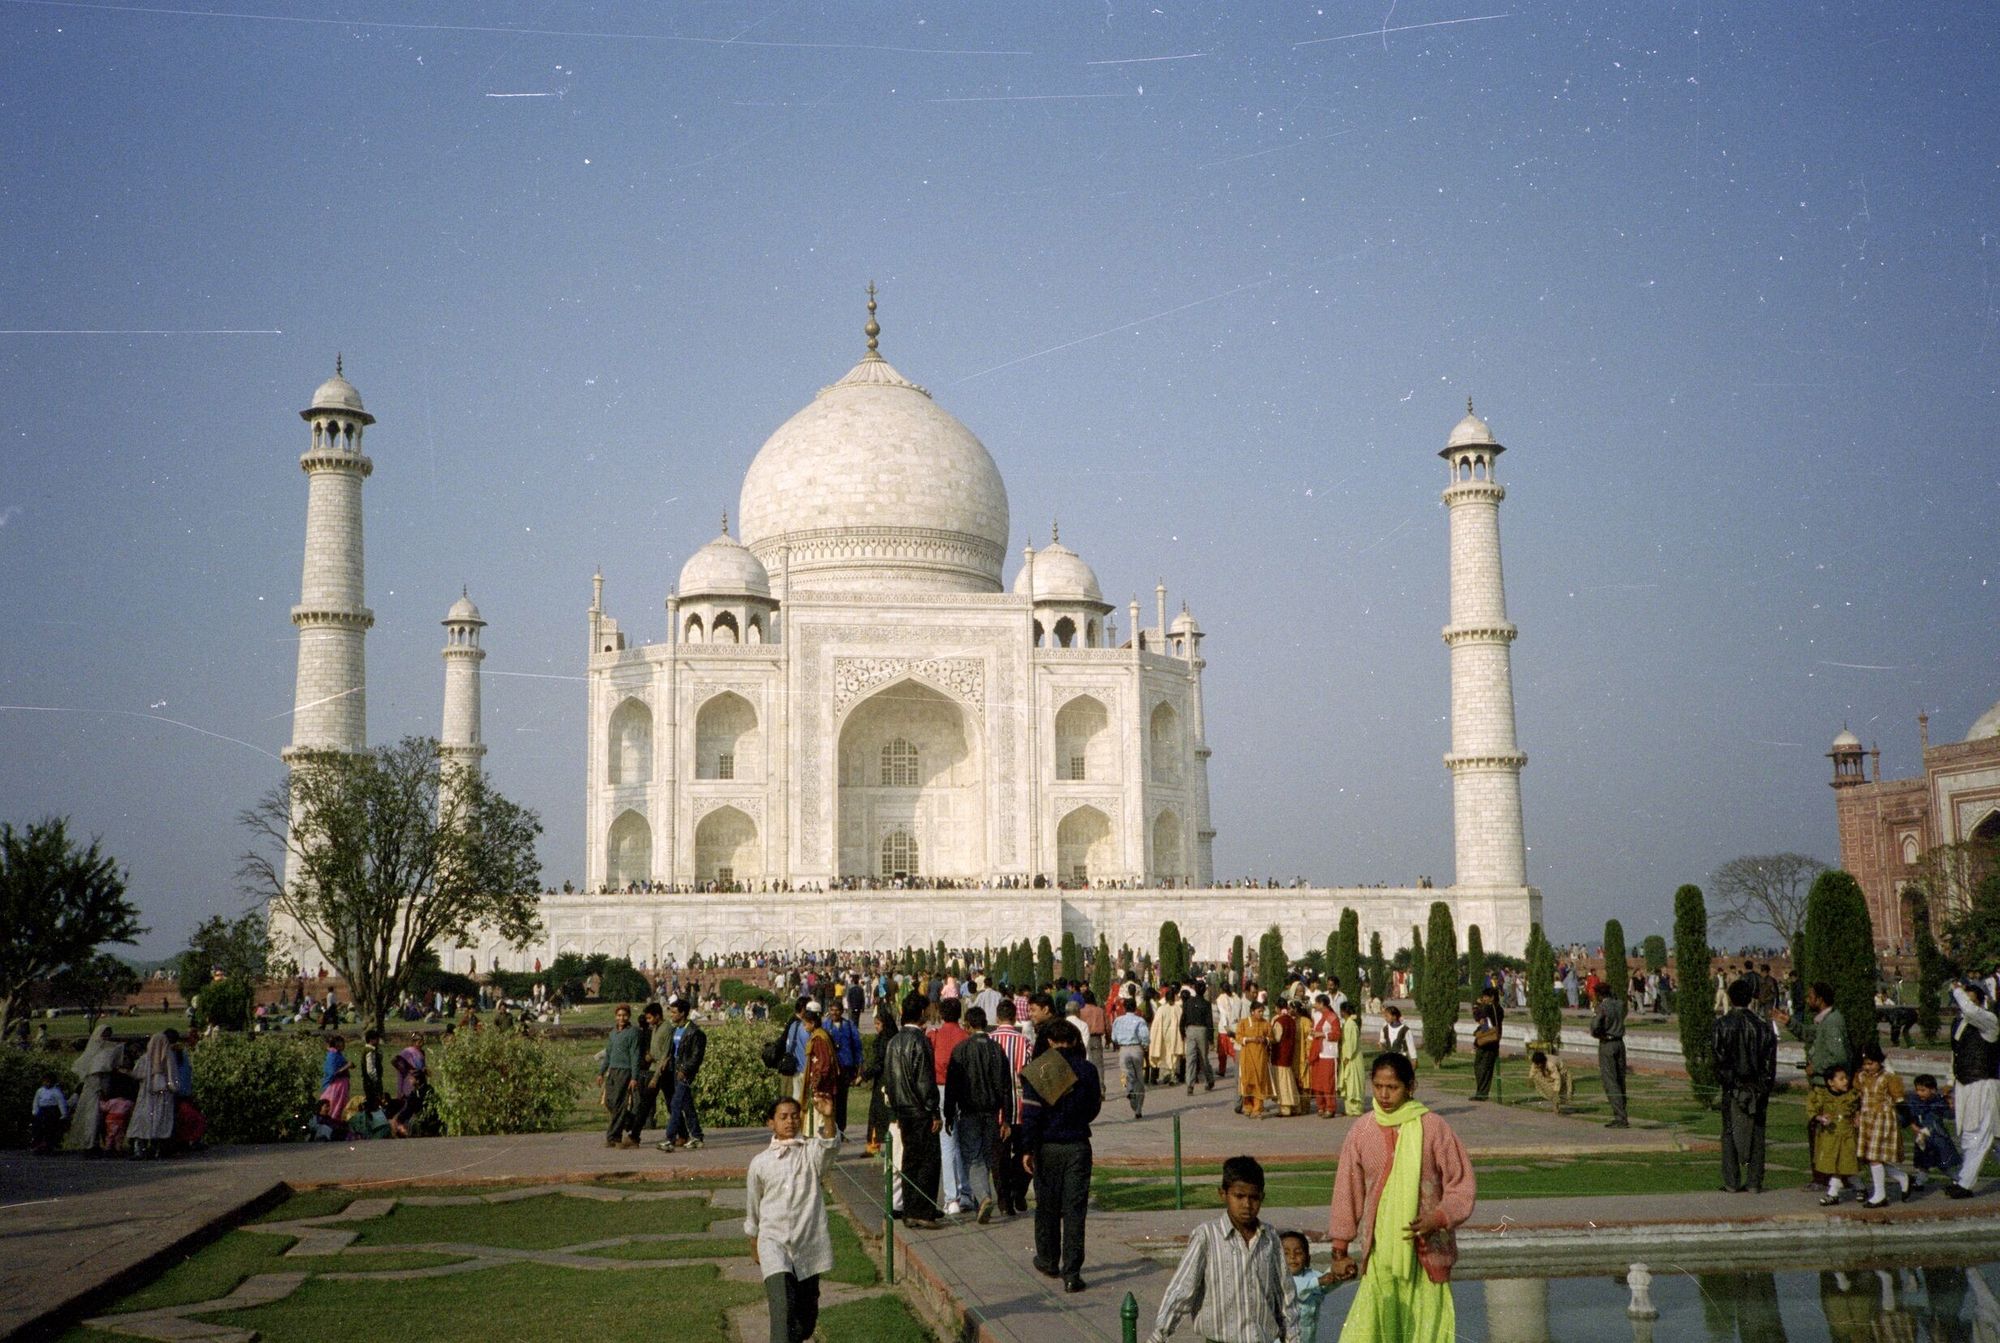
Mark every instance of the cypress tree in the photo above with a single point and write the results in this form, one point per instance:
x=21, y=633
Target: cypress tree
x=1280, y=962
x=1840, y=950
x=1440, y=988
x=1692, y=958
x=1617, y=970
x=1417, y=964
x=1544, y=1000
x=1330, y=957
x=1236, y=961
x=1378, y=967
x=1653, y=950
x=1072, y=957
x=1932, y=970
x=1100, y=971
x=1169, y=951
x=1045, y=963
x=1475, y=957
x=1346, y=960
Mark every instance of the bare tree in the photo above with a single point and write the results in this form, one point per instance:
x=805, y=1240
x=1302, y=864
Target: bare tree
x=1764, y=891
x=394, y=855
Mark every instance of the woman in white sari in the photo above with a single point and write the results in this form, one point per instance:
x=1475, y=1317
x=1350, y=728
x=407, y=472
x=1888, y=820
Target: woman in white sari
x=153, y=1112
x=97, y=1062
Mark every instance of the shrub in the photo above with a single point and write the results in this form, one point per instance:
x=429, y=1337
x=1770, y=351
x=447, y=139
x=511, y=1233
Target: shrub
x=1475, y=958
x=1654, y=949
x=738, y=994
x=1170, y=951
x=620, y=982
x=1045, y=963
x=1544, y=1000
x=256, y=1088
x=227, y=1003
x=20, y=1077
x=1617, y=969
x=1236, y=961
x=1100, y=970
x=1378, y=967
x=1692, y=958
x=734, y=1088
x=485, y=1082
x=1346, y=954
x=1415, y=951
x=1439, y=994
x=1072, y=957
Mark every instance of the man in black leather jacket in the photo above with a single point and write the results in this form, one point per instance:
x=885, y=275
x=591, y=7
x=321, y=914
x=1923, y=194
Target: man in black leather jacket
x=1746, y=1064
x=909, y=1078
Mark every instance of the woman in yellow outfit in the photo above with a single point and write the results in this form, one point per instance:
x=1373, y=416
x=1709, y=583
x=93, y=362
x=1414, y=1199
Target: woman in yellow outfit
x=1350, y=1059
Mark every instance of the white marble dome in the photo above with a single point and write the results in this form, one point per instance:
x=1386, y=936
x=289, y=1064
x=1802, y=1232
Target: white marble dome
x=337, y=393
x=874, y=485
x=1846, y=741
x=1987, y=726
x=1060, y=576
x=1469, y=432
x=723, y=568
x=463, y=612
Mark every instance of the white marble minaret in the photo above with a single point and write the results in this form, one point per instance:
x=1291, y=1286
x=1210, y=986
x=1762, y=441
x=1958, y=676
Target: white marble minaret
x=1485, y=762
x=460, y=743
x=330, y=708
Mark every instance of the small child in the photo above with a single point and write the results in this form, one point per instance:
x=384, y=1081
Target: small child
x=1928, y=1113
x=1267, y=1292
x=1551, y=1079
x=1879, y=1131
x=49, y=1112
x=1310, y=1286
x=1831, y=1112
x=785, y=1216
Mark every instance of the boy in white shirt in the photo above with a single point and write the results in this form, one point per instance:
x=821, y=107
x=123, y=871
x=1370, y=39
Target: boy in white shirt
x=785, y=1217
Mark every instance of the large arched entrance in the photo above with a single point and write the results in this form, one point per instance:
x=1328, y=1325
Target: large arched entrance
x=628, y=851
x=1169, y=851
x=911, y=787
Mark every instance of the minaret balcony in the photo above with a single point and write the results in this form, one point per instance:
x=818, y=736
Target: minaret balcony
x=358, y=617
x=322, y=459
x=1485, y=760
x=1474, y=491
x=1500, y=632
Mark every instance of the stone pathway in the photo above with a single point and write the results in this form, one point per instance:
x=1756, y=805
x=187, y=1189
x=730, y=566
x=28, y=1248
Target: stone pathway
x=335, y=1233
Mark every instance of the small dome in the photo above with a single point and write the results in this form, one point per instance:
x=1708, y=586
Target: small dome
x=1060, y=575
x=337, y=393
x=1470, y=432
x=463, y=612
x=1184, y=623
x=724, y=568
x=1846, y=741
x=1987, y=726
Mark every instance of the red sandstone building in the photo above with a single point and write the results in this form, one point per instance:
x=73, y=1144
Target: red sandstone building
x=1887, y=826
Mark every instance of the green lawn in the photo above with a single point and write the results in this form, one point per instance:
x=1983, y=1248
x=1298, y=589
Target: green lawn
x=542, y=1301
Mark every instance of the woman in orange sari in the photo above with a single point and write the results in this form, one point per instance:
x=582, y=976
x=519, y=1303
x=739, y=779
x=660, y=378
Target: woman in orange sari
x=1254, y=1037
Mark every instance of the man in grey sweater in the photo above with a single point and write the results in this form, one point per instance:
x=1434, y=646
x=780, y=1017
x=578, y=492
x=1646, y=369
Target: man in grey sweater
x=1608, y=1029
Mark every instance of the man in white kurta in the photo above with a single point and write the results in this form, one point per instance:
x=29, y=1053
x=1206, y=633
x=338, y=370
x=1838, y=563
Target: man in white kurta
x=785, y=1218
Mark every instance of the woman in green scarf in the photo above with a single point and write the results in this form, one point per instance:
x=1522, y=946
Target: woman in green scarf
x=1403, y=1181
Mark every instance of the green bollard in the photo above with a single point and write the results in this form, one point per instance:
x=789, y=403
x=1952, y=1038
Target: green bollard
x=888, y=1217
x=1180, y=1191
x=1128, y=1319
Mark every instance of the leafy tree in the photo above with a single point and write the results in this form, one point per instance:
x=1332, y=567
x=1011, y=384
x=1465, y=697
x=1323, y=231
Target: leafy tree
x=1544, y=1000
x=227, y=1003
x=1654, y=950
x=1439, y=993
x=58, y=904
x=1236, y=960
x=92, y=984
x=620, y=982
x=1072, y=957
x=230, y=948
x=1764, y=891
x=396, y=853
x=1475, y=957
x=1100, y=970
x=1933, y=971
x=1692, y=958
x=1617, y=966
x=1974, y=934
x=1346, y=954
x=1045, y=962
x=1378, y=967
x=1418, y=963
x=1840, y=950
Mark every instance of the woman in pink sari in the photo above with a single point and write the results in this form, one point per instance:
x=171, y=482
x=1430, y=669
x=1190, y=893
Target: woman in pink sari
x=334, y=1080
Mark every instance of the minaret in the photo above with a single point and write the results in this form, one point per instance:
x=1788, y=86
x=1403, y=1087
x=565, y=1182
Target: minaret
x=1485, y=762
x=330, y=708
x=460, y=743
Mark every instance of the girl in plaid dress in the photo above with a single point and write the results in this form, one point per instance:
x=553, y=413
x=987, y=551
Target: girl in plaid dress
x=1879, y=1128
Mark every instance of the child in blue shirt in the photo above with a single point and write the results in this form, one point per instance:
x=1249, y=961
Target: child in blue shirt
x=1928, y=1113
x=1310, y=1286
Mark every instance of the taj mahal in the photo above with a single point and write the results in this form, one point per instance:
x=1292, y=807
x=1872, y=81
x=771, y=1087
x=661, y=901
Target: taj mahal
x=853, y=729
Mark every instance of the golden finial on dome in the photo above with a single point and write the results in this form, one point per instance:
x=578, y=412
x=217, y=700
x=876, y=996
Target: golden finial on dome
x=725, y=522
x=336, y=365
x=1468, y=405
x=874, y=329
x=1055, y=531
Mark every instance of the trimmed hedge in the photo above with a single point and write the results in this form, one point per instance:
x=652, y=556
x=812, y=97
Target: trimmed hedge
x=486, y=1082
x=257, y=1088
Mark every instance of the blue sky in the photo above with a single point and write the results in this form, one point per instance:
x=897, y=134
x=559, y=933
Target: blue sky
x=1211, y=283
